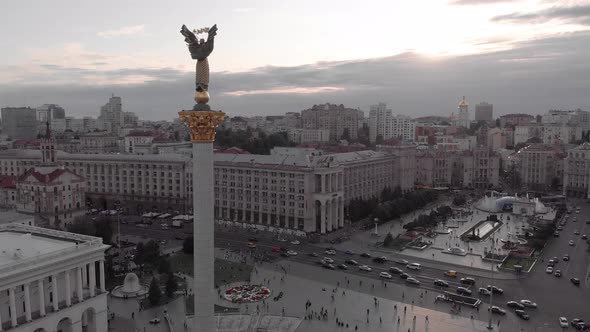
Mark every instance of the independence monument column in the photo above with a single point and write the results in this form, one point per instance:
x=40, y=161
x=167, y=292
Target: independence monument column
x=202, y=122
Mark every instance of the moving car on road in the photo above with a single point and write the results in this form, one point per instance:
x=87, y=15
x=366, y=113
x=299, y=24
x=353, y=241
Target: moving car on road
x=295, y=242
x=380, y=260
x=549, y=269
x=467, y=281
x=463, y=291
x=330, y=252
x=397, y=270
x=578, y=323
x=413, y=281
x=401, y=261
x=414, y=266
x=404, y=276
x=329, y=266
x=292, y=253
x=571, y=243
x=385, y=275
x=451, y=273
x=365, y=268
x=349, y=252
x=566, y=257
x=342, y=266
x=557, y=273
x=576, y=232
x=366, y=255
x=328, y=260
x=575, y=281
x=313, y=254
x=441, y=283
x=351, y=262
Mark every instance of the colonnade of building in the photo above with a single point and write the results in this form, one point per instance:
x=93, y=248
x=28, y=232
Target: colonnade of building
x=84, y=277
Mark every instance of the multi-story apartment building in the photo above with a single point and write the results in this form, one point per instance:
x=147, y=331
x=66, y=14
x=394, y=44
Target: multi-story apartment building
x=338, y=119
x=540, y=166
x=576, y=172
x=481, y=168
x=99, y=143
x=112, y=113
x=484, y=112
x=405, y=166
x=19, y=123
x=561, y=133
x=303, y=136
x=386, y=126
x=51, y=281
x=520, y=119
x=288, y=182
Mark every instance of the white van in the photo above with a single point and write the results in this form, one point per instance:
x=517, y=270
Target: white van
x=413, y=266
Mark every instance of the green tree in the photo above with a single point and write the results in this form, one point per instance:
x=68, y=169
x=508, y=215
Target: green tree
x=388, y=240
x=459, y=200
x=345, y=134
x=139, y=258
x=171, y=285
x=154, y=293
x=164, y=266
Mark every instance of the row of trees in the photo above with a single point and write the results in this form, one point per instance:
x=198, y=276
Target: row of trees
x=430, y=220
x=148, y=256
x=100, y=227
x=252, y=141
x=390, y=205
x=155, y=292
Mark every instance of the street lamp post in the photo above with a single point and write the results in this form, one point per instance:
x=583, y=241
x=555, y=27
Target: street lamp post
x=491, y=289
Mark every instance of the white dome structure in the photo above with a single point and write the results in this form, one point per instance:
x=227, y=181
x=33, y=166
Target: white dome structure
x=130, y=288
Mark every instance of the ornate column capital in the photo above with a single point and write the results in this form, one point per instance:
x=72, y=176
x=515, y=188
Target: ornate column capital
x=202, y=124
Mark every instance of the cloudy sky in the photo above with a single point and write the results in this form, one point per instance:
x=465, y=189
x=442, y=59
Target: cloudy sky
x=277, y=56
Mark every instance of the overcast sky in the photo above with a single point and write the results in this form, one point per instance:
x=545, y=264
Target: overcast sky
x=273, y=57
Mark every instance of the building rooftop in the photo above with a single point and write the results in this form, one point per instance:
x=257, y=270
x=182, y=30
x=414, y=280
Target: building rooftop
x=10, y=216
x=24, y=246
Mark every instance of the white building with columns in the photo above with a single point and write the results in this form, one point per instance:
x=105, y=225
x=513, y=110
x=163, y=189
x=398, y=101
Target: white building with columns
x=51, y=281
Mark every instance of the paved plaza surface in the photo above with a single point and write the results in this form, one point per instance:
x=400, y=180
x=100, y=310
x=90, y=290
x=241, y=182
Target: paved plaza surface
x=306, y=280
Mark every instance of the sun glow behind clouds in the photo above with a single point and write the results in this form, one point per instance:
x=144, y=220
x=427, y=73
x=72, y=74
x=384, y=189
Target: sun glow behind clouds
x=285, y=90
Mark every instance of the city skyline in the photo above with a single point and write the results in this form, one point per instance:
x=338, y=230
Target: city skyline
x=508, y=53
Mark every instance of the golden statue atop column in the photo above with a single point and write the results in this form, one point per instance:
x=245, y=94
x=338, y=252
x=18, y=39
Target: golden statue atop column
x=201, y=120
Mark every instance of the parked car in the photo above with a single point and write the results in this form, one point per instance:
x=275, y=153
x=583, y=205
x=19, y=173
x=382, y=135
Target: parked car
x=497, y=310
x=528, y=303
x=495, y=290
x=515, y=305
x=397, y=270
x=413, y=281
x=522, y=314
x=441, y=283
x=563, y=322
x=463, y=291
x=483, y=291
x=467, y=281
